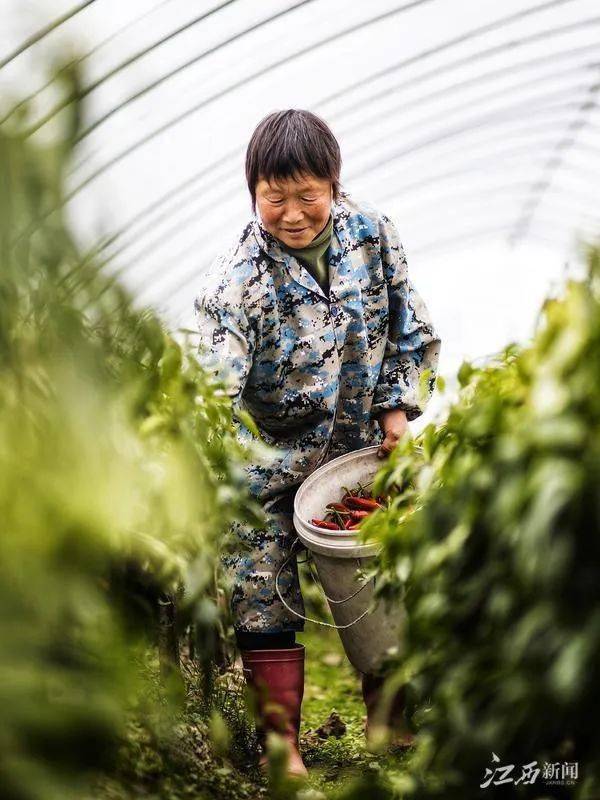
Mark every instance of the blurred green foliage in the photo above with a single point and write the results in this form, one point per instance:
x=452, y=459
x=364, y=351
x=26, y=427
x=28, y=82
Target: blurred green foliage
x=120, y=474
x=493, y=541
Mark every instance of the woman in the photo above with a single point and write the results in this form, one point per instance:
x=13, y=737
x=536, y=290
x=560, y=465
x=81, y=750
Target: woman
x=312, y=321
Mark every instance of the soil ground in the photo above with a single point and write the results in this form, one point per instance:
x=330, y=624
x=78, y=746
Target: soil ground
x=190, y=757
x=332, y=684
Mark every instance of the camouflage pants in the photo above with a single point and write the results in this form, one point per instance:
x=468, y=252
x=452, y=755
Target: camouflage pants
x=255, y=604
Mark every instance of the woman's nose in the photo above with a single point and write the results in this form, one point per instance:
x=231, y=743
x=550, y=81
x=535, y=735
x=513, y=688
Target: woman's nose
x=292, y=213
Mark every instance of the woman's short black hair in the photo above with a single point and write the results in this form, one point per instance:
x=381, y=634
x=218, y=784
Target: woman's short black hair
x=287, y=143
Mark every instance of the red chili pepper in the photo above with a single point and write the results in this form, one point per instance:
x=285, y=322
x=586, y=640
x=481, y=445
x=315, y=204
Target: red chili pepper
x=338, y=507
x=356, y=515
x=348, y=524
x=329, y=526
x=354, y=527
x=362, y=504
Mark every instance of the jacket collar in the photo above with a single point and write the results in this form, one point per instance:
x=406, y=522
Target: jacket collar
x=338, y=250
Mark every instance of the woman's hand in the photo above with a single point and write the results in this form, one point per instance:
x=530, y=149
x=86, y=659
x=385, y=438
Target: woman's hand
x=394, y=425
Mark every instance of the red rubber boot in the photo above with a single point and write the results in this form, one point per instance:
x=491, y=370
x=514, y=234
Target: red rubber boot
x=385, y=725
x=277, y=677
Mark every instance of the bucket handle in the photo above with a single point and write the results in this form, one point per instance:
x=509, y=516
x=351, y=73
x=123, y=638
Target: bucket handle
x=311, y=619
x=330, y=599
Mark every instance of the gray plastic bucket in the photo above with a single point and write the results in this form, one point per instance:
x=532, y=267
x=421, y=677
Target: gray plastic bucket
x=367, y=631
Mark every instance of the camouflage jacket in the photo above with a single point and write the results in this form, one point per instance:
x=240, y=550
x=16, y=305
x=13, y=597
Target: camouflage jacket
x=314, y=371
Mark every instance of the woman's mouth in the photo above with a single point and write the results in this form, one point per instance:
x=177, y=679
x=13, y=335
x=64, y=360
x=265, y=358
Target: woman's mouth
x=294, y=231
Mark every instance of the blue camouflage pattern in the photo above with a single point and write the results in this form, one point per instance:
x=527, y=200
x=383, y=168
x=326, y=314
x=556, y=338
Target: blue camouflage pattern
x=313, y=371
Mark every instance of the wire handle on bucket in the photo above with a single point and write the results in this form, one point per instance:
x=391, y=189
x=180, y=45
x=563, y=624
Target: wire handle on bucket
x=330, y=599
x=310, y=619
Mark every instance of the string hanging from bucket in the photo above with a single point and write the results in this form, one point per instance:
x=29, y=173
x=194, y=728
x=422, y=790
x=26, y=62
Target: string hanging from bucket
x=296, y=549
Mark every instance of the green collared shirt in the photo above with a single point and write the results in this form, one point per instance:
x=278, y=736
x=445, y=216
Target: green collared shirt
x=314, y=255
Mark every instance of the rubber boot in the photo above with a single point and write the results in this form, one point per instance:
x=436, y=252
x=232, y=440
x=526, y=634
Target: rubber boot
x=384, y=726
x=277, y=678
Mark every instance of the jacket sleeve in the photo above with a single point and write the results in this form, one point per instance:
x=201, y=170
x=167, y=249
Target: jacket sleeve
x=227, y=339
x=413, y=345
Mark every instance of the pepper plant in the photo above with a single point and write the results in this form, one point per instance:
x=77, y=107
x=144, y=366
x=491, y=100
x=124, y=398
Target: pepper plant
x=492, y=540
x=120, y=473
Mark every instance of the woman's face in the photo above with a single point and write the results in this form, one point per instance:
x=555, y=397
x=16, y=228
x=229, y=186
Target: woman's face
x=294, y=210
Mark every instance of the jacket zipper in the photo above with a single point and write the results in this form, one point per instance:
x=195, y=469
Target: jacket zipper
x=337, y=398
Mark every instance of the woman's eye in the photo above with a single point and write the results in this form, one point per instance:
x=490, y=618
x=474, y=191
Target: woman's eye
x=309, y=199
x=276, y=202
